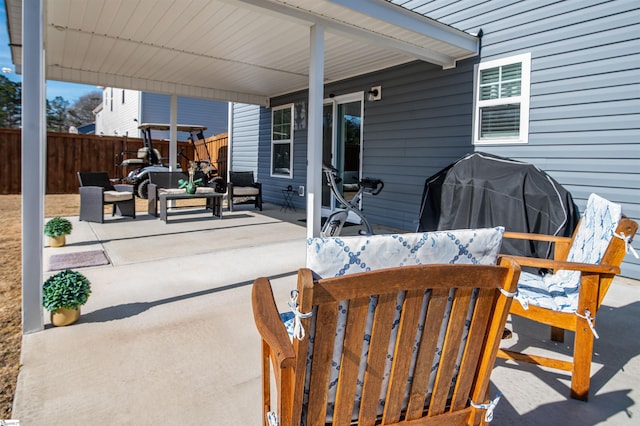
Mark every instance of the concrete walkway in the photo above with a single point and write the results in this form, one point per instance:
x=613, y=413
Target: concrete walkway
x=167, y=336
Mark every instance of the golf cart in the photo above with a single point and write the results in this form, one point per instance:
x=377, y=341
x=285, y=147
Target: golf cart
x=149, y=159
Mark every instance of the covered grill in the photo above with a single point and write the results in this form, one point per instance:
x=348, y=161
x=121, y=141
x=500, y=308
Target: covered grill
x=484, y=190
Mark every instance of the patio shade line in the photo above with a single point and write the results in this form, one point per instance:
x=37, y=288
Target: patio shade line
x=127, y=310
x=164, y=234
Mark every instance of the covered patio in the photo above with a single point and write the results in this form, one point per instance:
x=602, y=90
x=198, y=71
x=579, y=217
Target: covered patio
x=168, y=336
x=244, y=51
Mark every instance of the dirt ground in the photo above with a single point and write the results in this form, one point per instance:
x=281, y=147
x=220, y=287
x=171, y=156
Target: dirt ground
x=11, y=284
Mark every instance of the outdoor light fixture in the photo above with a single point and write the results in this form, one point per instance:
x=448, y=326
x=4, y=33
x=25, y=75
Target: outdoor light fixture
x=375, y=93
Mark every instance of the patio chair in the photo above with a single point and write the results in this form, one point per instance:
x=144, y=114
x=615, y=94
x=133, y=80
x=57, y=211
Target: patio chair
x=392, y=344
x=568, y=299
x=242, y=185
x=450, y=400
x=96, y=191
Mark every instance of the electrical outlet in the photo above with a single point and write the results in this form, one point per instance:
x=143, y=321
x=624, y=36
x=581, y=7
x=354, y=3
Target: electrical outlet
x=301, y=190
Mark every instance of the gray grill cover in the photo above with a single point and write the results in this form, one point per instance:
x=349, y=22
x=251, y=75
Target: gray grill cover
x=483, y=190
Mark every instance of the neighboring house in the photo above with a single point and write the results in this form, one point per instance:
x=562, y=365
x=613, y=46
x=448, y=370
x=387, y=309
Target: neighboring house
x=120, y=108
x=87, y=129
x=245, y=129
x=556, y=84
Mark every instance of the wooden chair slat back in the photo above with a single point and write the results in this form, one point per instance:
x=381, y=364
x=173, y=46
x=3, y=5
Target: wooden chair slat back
x=438, y=301
x=473, y=290
x=477, y=330
x=356, y=320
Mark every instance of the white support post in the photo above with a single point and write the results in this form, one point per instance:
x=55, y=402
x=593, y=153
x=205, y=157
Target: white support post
x=230, y=136
x=173, y=133
x=173, y=139
x=314, y=129
x=34, y=143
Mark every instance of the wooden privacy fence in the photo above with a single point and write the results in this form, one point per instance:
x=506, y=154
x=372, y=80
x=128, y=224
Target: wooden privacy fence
x=68, y=153
x=214, y=149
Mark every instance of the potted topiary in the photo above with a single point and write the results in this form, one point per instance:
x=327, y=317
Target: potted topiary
x=56, y=229
x=63, y=294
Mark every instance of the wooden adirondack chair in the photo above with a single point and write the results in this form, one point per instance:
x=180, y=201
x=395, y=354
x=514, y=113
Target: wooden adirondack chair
x=465, y=302
x=595, y=250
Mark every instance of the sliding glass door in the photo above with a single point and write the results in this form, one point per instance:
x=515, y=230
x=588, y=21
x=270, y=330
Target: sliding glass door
x=342, y=145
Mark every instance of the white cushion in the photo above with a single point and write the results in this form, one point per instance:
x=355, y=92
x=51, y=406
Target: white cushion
x=115, y=196
x=245, y=190
x=171, y=191
x=205, y=190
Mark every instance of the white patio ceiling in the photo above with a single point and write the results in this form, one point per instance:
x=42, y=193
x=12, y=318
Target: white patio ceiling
x=230, y=50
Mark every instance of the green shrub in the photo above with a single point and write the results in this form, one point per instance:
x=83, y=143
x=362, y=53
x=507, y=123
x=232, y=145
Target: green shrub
x=66, y=289
x=57, y=227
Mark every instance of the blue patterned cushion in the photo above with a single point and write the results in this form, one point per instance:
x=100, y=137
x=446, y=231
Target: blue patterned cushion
x=559, y=291
x=330, y=257
x=333, y=257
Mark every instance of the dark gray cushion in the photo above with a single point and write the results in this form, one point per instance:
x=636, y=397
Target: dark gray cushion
x=241, y=178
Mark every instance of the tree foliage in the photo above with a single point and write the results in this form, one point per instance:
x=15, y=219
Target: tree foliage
x=10, y=103
x=81, y=112
x=61, y=116
x=57, y=114
x=60, y=113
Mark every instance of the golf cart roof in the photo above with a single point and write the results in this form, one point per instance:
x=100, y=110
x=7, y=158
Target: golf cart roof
x=180, y=127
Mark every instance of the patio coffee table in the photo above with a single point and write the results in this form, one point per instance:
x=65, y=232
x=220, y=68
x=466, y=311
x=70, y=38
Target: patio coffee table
x=215, y=204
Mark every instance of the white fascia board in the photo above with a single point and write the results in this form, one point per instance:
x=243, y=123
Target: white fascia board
x=112, y=80
x=409, y=49
x=409, y=20
x=412, y=21
x=13, y=10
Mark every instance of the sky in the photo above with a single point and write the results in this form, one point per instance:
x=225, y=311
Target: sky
x=69, y=91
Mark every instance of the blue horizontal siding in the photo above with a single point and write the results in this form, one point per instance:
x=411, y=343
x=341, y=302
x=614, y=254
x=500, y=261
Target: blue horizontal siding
x=587, y=110
x=596, y=123
x=156, y=108
x=576, y=97
x=611, y=78
x=246, y=130
x=585, y=88
x=584, y=110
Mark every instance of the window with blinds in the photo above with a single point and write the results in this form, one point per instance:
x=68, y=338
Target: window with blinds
x=502, y=101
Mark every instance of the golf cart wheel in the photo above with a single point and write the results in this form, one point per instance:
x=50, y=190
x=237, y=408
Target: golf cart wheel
x=143, y=188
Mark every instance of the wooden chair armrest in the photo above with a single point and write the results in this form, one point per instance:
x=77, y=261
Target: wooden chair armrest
x=572, y=266
x=269, y=324
x=562, y=245
x=536, y=237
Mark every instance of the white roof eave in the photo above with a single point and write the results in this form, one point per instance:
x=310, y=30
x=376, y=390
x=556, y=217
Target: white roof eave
x=372, y=25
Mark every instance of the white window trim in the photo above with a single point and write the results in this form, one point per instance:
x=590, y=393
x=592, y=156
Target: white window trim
x=282, y=141
x=523, y=100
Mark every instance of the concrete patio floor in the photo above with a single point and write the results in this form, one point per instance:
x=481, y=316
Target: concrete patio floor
x=167, y=336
